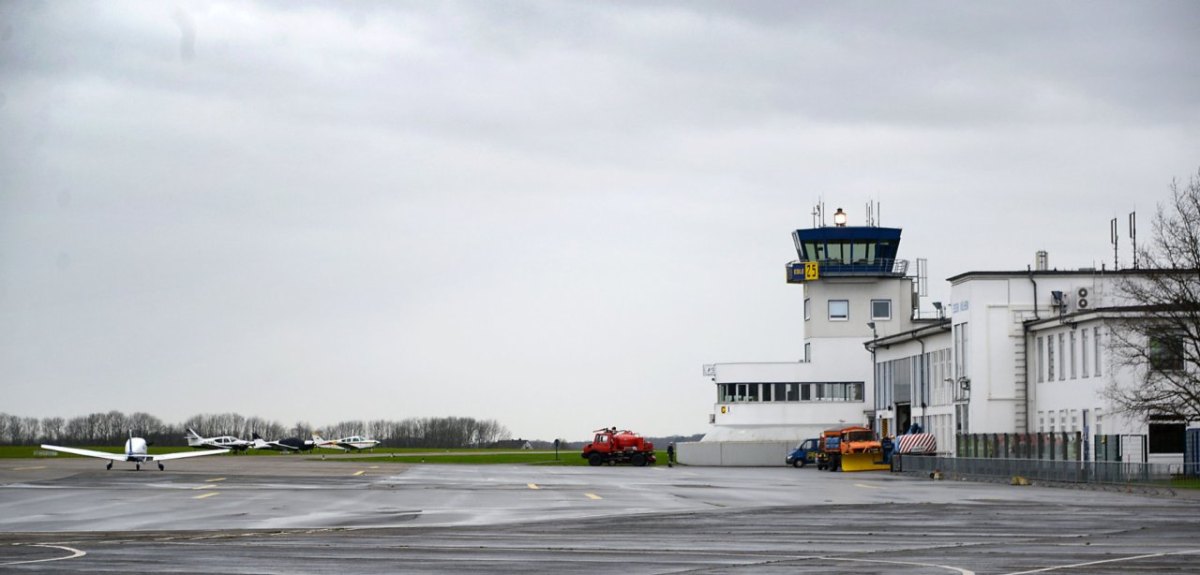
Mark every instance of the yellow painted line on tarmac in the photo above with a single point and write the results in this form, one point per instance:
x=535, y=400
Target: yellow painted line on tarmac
x=533, y=486
x=592, y=496
x=209, y=494
x=864, y=485
x=215, y=479
x=209, y=486
x=29, y=468
x=359, y=472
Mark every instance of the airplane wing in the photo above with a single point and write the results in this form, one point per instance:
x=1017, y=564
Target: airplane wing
x=183, y=454
x=284, y=446
x=87, y=452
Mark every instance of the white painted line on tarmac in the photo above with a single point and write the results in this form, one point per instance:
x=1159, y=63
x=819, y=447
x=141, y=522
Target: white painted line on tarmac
x=1102, y=561
x=864, y=485
x=592, y=496
x=209, y=486
x=533, y=486
x=74, y=553
x=215, y=479
x=958, y=570
x=359, y=472
x=209, y=494
x=26, y=469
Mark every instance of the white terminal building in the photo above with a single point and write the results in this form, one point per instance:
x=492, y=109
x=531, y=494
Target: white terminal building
x=1011, y=352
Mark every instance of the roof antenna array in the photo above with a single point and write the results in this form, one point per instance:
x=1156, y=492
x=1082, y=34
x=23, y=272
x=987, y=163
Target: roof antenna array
x=1133, y=236
x=1115, y=238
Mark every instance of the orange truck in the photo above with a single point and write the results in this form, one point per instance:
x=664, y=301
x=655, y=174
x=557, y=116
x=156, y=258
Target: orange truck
x=851, y=448
x=612, y=447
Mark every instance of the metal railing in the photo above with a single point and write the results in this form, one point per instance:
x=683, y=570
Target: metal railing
x=1099, y=472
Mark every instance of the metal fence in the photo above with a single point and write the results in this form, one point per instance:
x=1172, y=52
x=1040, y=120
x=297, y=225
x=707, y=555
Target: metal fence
x=1062, y=446
x=1099, y=472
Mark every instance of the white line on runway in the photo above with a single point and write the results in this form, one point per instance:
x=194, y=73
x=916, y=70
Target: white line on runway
x=28, y=469
x=592, y=496
x=74, y=553
x=359, y=472
x=533, y=486
x=1133, y=558
x=958, y=570
x=215, y=479
x=209, y=494
x=867, y=486
x=209, y=486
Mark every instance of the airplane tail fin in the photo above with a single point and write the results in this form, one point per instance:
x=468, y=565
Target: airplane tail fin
x=317, y=437
x=193, y=438
x=255, y=435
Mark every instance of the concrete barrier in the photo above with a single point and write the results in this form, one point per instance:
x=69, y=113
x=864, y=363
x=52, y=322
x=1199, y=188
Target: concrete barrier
x=733, y=453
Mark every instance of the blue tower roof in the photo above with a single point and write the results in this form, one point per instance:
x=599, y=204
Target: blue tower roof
x=846, y=251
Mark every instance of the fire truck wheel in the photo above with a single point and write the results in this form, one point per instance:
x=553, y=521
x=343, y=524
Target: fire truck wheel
x=638, y=460
x=595, y=460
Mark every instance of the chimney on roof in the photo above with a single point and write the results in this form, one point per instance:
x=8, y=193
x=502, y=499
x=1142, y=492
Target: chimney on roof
x=1042, y=261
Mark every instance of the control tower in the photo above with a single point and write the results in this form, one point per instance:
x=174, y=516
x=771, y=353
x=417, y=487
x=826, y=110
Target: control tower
x=854, y=290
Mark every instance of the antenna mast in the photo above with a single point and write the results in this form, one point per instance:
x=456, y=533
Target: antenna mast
x=1133, y=236
x=1115, y=239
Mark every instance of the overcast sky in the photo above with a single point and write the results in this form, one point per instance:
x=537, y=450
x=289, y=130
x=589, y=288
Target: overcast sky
x=551, y=214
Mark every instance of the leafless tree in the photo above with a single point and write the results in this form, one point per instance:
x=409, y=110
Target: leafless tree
x=1159, y=336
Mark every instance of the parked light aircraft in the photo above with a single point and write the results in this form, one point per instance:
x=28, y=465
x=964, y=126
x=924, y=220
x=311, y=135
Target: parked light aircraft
x=222, y=442
x=135, y=452
x=352, y=443
x=288, y=444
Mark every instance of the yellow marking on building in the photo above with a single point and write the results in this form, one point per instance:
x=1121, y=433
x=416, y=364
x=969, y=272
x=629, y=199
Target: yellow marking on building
x=533, y=486
x=209, y=494
x=215, y=479
x=359, y=472
x=209, y=486
x=592, y=496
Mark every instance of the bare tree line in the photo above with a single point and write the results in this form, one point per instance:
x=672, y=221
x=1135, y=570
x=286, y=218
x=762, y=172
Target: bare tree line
x=113, y=427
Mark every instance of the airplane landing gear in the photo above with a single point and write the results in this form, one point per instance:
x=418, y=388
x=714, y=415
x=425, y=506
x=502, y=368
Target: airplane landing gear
x=137, y=466
x=109, y=466
x=160, y=467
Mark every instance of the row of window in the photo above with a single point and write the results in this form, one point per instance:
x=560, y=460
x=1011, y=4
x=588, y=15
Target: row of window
x=839, y=309
x=1065, y=355
x=777, y=392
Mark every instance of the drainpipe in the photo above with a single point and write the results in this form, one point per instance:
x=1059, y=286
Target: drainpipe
x=1025, y=343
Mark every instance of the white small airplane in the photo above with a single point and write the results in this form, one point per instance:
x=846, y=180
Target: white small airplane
x=222, y=442
x=135, y=452
x=352, y=443
x=290, y=444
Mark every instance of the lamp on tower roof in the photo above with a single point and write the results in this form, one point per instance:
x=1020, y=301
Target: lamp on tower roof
x=839, y=218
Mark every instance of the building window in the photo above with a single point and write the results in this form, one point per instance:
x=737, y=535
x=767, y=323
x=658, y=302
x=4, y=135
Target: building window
x=808, y=352
x=1041, y=359
x=881, y=309
x=1072, y=355
x=1084, y=351
x=807, y=309
x=1062, y=357
x=1166, y=352
x=1096, y=342
x=1166, y=437
x=839, y=310
x=1050, y=358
